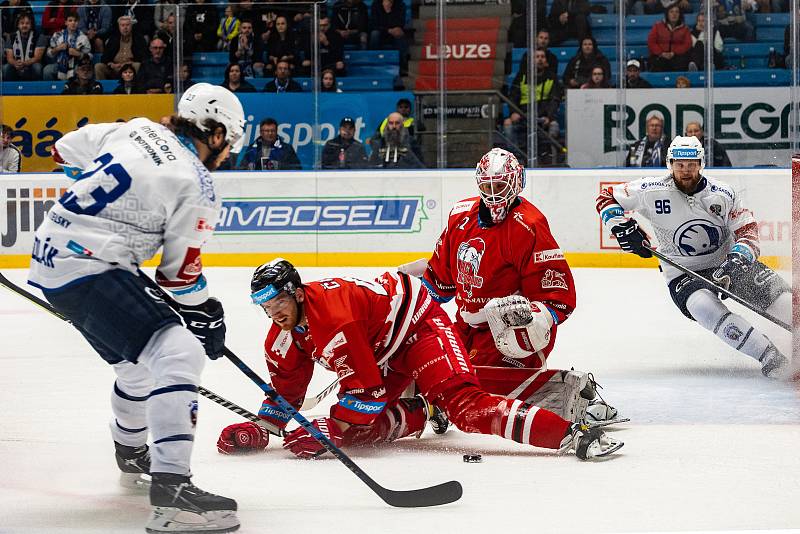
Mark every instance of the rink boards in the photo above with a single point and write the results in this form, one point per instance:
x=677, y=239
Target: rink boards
x=367, y=218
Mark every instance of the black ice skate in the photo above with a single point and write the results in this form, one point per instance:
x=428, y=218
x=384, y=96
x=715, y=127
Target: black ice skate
x=436, y=416
x=134, y=464
x=599, y=412
x=589, y=443
x=180, y=506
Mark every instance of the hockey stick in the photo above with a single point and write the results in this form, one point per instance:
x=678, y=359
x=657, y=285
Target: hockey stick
x=722, y=290
x=432, y=496
x=311, y=402
x=444, y=493
x=8, y=284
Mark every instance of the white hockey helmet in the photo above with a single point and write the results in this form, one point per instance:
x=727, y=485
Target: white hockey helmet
x=204, y=101
x=500, y=179
x=686, y=148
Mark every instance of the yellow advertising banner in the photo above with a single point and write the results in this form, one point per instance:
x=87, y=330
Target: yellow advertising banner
x=39, y=121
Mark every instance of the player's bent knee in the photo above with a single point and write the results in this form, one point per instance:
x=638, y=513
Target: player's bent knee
x=705, y=308
x=133, y=380
x=174, y=356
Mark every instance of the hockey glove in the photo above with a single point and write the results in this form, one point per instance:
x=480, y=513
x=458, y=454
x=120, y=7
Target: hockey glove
x=735, y=265
x=302, y=445
x=519, y=327
x=207, y=322
x=631, y=238
x=242, y=438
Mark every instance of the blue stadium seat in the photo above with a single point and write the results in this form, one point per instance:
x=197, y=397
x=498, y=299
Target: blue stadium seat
x=762, y=20
x=210, y=58
x=724, y=78
x=371, y=57
x=109, y=85
x=769, y=33
x=373, y=70
x=32, y=88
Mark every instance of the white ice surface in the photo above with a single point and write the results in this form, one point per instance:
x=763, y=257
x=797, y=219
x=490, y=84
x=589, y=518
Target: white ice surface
x=712, y=444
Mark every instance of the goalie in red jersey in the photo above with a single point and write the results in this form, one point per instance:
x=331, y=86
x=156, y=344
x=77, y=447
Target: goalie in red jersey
x=513, y=288
x=379, y=336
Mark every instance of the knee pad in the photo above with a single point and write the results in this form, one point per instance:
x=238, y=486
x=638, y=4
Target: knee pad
x=704, y=307
x=174, y=356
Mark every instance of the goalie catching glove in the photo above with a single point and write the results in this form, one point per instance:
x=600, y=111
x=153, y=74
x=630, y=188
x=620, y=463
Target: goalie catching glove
x=519, y=327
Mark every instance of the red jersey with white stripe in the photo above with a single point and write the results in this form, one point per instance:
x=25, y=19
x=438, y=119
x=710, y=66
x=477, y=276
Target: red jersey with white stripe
x=354, y=327
x=476, y=263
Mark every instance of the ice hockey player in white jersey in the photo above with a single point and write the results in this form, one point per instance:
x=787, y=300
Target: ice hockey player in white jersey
x=700, y=223
x=139, y=187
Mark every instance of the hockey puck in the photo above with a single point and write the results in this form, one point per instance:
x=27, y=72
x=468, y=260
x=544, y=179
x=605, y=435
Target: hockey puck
x=473, y=458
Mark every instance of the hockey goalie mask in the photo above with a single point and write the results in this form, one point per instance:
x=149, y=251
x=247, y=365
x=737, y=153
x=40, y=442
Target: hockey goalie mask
x=500, y=180
x=686, y=148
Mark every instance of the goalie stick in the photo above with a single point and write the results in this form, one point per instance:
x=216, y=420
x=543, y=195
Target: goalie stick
x=431, y=496
x=722, y=290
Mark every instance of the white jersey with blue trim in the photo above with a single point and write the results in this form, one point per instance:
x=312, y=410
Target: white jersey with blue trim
x=138, y=187
x=696, y=231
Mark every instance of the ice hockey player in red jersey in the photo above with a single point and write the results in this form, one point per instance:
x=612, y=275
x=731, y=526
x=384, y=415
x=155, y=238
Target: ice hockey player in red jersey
x=701, y=224
x=379, y=336
x=513, y=287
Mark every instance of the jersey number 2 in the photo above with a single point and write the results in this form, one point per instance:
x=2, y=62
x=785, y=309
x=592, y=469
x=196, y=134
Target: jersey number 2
x=101, y=197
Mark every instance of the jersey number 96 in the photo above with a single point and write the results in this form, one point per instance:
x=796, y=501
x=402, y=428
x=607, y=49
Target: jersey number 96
x=662, y=206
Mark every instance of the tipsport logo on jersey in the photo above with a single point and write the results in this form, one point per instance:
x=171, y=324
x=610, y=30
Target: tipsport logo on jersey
x=328, y=215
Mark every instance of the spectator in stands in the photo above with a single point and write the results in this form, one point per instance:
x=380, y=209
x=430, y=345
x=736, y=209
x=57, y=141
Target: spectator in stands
x=95, y=22
x=120, y=48
x=260, y=15
x=518, y=29
x=598, y=80
x=654, y=7
x=185, y=74
x=732, y=21
x=387, y=20
x=721, y=158
x=55, y=16
x=669, y=42
x=200, y=27
x=393, y=149
x=141, y=14
x=403, y=107
x=24, y=51
x=269, y=152
x=228, y=29
x=579, y=68
x=351, y=22
x=633, y=78
x=10, y=156
x=162, y=9
x=344, y=151
x=651, y=150
x=682, y=82
x=66, y=47
x=127, y=82
x=697, y=55
x=543, y=41
x=155, y=87
x=9, y=11
x=282, y=83
x=235, y=82
x=281, y=46
x=167, y=34
x=548, y=93
x=83, y=83
x=331, y=48
x=569, y=19
x=787, y=47
x=247, y=51
x=156, y=71
x=328, y=82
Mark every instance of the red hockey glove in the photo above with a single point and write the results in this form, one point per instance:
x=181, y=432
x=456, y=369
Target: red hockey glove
x=242, y=437
x=302, y=445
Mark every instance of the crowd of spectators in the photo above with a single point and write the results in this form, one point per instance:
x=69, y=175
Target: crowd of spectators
x=271, y=41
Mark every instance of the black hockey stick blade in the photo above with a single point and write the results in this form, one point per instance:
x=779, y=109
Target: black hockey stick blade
x=444, y=493
x=235, y=408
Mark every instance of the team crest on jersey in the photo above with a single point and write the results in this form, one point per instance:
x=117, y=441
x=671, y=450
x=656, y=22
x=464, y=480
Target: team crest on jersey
x=193, y=412
x=553, y=280
x=468, y=262
x=716, y=209
x=697, y=238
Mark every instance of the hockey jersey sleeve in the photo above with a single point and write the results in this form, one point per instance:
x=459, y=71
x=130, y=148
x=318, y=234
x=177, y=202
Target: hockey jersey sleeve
x=744, y=226
x=438, y=276
x=362, y=395
x=544, y=272
x=290, y=370
x=614, y=201
x=76, y=150
x=190, y=224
